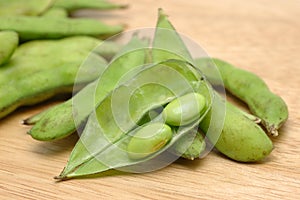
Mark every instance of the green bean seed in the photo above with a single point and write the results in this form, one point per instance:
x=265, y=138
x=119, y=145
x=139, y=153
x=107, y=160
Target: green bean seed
x=184, y=109
x=9, y=41
x=269, y=107
x=241, y=139
x=21, y=7
x=32, y=28
x=148, y=140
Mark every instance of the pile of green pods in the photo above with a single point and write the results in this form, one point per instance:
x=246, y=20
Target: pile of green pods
x=138, y=107
x=42, y=49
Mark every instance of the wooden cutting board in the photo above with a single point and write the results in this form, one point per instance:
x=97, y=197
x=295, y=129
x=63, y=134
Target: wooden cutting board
x=262, y=36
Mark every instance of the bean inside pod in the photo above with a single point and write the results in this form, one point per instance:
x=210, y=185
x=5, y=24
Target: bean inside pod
x=185, y=109
x=149, y=139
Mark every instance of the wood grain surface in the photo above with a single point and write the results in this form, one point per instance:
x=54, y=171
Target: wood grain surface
x=262, y=36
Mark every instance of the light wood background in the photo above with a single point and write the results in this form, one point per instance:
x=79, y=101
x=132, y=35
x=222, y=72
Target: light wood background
x=262, y=36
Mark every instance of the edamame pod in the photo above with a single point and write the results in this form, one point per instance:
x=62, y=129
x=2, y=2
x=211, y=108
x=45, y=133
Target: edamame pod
x=58, y=122
x=190, y=146
x=42, y=85
x=269, y=107
x=35, y=118
x=41, y=69
x=103, y=143
x=184, y=109
x=72, y=5
x=56, y=12
x=21, y=7
x=108, y=49
x=9, y=41
x=241, y=139
x=34, y=56
x=149, y=139
x=168, y=44
x=33, y=28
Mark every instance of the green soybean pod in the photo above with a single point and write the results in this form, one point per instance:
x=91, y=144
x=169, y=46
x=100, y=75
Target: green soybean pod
x=191, y=145
x=241, y=139
x=86, y=4
x=9, y=41
x=56, y=12
x=41, y=69
x=34, y=56
x=33, y=28
x=251, y=89
x=149, y=139
x=184, y=109
x=109, y=130
x=21, y=7
x=34, y=118
x=58, y=122
x=108, y=49
x=42, y=85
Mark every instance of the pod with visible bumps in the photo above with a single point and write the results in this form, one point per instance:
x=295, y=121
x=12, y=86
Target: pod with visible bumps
x=148, y=140
x=33, y=28
x=72, y=5
x=184, y=110
x=56, y=13
x=21, y=7
x=40, y=69
x=58, y=121
x=190, y=146
x=241, y=138
x=9, y=41
x=269, y=107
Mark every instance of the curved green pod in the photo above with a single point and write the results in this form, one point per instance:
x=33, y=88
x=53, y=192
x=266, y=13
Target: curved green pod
x=9, y=41
x=46, y=54
x=41, y=69
x=21, y=7
x=41, y=86
x=251, y=89
x=59, y=122
x=34, y=118
x=111, y=125
x=190, y=146
x=72, y=5
x=33, y=28
x=56, y=13
x=241, y=138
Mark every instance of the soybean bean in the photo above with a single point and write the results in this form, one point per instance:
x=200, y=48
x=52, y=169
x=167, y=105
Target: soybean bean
x=241, y=139
x=9, y=41
x=184, y=109
x=148, y=140
x=21, y=7
x=263, y=103
x=32, y=28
